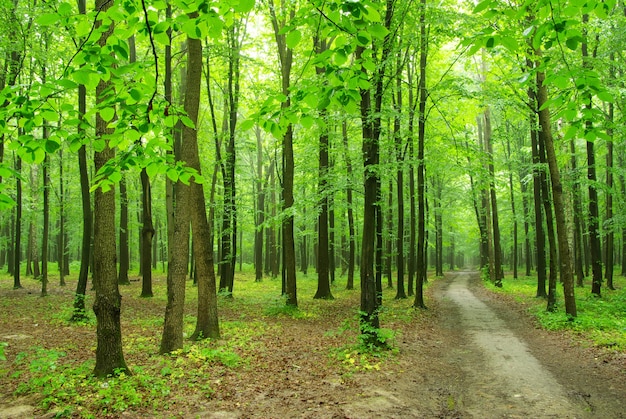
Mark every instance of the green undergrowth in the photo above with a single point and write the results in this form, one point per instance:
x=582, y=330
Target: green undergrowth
x=52, y=358
x=602, y=321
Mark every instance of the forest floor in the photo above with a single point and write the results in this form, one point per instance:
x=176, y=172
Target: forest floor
x=471, y=354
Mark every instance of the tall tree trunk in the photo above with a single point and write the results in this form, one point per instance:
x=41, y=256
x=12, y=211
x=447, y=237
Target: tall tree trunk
x=547, y=209
x=421, y=189
x=147, y=235
x=123, y=240
x=17, y=241
x=400, y=147
x=259, y=218
x=594, y=212
x=540, y=240
x=323, y=262
x=388, y=237
x=79, y=312
x=285, y=55
x=567, y=275
x=579, y=254
x=207, y=324
x=46, y=221
x=108, y=301
x=350, y=205
x=178, y=237
x=62, y=237
x=609, y=238
x=514, y=247
x=497, y=248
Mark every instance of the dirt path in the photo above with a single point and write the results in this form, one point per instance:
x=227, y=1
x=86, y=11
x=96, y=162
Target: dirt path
x=485, y=359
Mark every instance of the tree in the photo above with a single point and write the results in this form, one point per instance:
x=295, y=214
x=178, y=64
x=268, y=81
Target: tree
x=285, y=55
x=108, y=301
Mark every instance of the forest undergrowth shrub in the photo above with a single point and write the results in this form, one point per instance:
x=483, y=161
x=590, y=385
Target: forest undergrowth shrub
x=362, y=354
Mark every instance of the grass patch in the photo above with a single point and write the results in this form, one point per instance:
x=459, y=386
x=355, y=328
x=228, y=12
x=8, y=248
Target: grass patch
x=600, y=320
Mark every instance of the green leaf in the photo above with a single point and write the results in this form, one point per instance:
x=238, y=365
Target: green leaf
x=378, y=31
x=52, y=146
x=293, y=38
x=482, y=6
x=572, y=43
x=65, y=9
x=48, y=19
x=363, y=38
x=187, y=121
x=247, y=124
x=107, y=114
x=605, y=96
x=307, y=121
x=245, y=6
x=49, y=115
x=172, y=174
x=491, y=42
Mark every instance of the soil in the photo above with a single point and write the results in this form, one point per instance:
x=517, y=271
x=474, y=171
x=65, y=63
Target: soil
x=473, y=354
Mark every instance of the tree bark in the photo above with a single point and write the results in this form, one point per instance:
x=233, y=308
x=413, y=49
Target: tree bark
x=108, y=301
x=147, y=235
x=421, y=189
x=567, y=275
x=350, y=205
x=124, y=262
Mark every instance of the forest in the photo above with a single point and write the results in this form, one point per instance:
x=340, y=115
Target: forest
x=224, y=157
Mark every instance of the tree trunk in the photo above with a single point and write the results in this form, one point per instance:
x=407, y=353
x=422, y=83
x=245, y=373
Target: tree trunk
x=609, y=238
x=108, y=301
x=540, y=240
x=579, y=254
x=124, y=251
x=17, y=241
x=547, y=208
x=285, y=55
x=567, y=275
x=172, y=338
x=594, y=212
x=350, y=205
x=497, y=248
x=421, y=189
x=46, y=222
x=259, y=219
x=147, y=235
x=79, y=312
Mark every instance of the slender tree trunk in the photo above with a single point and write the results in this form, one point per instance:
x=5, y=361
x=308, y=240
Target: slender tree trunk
x=540, y=240
x=547, y=209
x=46, y=222
x=514, y=249
x=260, y=210
x=17, y=241
x=123, y=240
x=594, y=212
x=147, y=235
x=178, y=258
x=207, y=325
x=421, y=190
x=350, y=205
x=79, y=312
x=388, y=236
x=609, y=238
x=579, y=254
x=285, y=55
x=108, y=301
x=497, y=248
x=567, y=275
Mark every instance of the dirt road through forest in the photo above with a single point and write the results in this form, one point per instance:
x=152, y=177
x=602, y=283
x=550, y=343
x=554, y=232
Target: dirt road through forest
x=485, y=359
